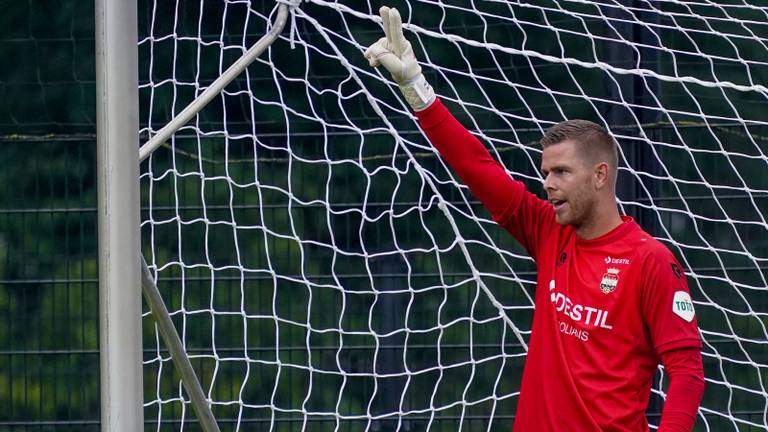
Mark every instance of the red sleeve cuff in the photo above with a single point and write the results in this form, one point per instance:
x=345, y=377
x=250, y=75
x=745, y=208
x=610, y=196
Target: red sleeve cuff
x=686, y=374
x=432, y=115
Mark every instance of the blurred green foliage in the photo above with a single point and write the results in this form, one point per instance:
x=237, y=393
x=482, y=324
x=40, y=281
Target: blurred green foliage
x=49, y=375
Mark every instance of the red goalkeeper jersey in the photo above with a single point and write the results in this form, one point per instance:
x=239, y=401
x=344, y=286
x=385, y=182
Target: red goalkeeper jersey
x=605, y=310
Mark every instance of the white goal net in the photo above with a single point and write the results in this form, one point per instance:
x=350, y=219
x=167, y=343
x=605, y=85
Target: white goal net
x=294, y=225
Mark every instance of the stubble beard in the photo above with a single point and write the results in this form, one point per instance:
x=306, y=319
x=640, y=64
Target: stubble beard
x=577, y=213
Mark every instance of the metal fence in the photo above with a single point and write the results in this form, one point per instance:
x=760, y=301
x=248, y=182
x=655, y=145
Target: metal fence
x=49, y=359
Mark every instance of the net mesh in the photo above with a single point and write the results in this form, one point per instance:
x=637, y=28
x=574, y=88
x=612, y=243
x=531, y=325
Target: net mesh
x=295, y=225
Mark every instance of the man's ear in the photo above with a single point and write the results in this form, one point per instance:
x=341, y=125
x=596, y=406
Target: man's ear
x=602, y=174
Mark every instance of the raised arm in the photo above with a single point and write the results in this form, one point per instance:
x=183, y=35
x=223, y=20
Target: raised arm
x=510, y=205
x=485, y=177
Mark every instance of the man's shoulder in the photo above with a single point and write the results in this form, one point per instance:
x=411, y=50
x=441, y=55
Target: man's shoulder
x=652, y=253
x=649, y=248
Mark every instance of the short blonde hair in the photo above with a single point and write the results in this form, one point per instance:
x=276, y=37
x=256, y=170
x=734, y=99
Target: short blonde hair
x=594, y=141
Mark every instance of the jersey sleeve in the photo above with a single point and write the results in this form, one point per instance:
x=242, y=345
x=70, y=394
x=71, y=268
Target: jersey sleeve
x=686, y=373
x=666, y=304
x=524, y=215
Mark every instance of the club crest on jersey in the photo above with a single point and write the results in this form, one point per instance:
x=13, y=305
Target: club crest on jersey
x=609, y=281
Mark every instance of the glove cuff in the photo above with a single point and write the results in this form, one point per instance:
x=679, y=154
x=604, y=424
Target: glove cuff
x=418, y=93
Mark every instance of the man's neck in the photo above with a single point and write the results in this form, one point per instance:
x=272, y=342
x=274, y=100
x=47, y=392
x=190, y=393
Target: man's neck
x=602, y=223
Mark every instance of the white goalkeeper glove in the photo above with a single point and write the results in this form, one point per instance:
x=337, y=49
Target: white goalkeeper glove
x=394, y=52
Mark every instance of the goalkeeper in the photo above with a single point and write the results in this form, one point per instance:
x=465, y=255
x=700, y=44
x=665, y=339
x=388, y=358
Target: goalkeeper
x=611, y=301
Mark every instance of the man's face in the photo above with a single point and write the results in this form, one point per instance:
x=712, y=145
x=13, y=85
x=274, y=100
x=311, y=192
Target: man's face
x=569, y=183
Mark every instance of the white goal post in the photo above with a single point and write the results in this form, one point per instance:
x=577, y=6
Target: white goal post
x=327, y=271
x=117, y=110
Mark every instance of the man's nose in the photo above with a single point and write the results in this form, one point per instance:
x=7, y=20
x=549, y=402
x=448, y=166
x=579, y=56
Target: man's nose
x=548, y=182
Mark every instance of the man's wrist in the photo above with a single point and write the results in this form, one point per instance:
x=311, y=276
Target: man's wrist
x=418, y=93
